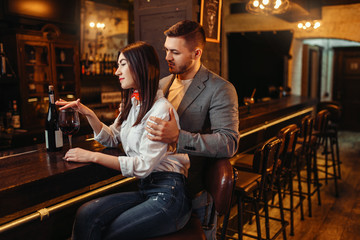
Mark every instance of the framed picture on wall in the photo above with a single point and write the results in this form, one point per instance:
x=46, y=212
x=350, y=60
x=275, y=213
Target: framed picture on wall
x=210, y=19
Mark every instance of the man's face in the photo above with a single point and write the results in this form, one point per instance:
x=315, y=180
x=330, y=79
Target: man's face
x=179, y=58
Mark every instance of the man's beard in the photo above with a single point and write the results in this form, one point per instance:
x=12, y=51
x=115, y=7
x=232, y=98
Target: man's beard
x=182, y=69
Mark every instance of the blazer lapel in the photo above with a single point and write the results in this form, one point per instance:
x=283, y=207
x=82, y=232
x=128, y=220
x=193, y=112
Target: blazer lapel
x=195, y=88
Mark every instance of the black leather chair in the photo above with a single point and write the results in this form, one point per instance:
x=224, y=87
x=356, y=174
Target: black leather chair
x=219, y=182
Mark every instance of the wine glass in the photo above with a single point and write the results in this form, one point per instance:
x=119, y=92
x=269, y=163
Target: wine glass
x=69, y=122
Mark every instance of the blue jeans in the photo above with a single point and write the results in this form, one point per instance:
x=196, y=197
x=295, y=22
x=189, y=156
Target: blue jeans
x=159, y=207
x=202, y=206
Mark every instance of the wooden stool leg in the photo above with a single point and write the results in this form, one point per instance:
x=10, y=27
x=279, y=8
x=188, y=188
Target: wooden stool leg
x=240, y=218
x=257, y=217
x=300, y=188
x=282, y=217
x=308, y=180
x=335, y=171
x=316, y=177
x=337, y=154
x=291, y=204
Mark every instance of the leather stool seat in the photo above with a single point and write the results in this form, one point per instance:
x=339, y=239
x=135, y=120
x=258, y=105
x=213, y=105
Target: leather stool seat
x=191, y=231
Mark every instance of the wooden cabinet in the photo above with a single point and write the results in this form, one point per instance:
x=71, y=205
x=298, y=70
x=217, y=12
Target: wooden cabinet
x=43, y=59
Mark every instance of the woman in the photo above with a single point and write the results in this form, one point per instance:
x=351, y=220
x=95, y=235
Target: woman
x=161, y=205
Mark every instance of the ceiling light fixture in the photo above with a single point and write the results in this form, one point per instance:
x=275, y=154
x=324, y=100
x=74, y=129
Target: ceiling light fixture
x=309, y=25
x=267, y=7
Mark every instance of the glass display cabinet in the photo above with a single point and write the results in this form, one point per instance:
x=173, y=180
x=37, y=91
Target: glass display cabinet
x=45, y=59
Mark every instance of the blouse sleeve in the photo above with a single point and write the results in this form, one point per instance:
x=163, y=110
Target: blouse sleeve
x=109, y=136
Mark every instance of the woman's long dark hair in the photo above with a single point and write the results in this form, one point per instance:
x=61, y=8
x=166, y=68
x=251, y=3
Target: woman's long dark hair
x=144, y=66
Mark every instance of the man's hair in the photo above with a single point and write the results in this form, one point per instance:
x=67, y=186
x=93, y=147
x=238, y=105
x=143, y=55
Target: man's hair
x=144, y=66
x=191, y=31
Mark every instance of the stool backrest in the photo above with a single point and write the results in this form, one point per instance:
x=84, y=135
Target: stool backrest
x=219, y=182
x=306, y=127
x=271, y=155
x=334, y=109
x=321, y=121
x=288, y=135
x=267, y=157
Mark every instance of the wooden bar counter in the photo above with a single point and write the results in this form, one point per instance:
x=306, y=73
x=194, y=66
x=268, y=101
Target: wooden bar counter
x=34, y=180
x=265, y=119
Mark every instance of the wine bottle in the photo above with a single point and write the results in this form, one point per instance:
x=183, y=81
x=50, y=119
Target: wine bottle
x=15, y=120
x=2, y=61
x=53, y=134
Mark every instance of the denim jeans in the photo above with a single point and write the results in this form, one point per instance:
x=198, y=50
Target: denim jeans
x=161, y=206
x=202, y=206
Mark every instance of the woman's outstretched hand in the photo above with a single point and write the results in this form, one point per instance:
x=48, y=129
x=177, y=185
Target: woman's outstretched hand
x=76, y=105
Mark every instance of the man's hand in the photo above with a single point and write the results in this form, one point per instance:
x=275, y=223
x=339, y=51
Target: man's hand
x=163, y=131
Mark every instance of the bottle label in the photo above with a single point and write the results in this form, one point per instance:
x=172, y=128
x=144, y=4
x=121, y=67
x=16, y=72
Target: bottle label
x=52, y=99
x=58, y=139
x=16, y=121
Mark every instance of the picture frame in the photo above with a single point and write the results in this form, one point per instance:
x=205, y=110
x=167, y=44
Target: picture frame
x=210, y=19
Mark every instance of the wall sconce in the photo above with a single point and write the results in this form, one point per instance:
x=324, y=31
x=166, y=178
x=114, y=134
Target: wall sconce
x=267, y=7
x=309, y=25
x=98, y=25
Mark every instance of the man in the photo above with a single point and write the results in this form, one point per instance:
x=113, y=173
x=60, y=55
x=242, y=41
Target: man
x=208, y=109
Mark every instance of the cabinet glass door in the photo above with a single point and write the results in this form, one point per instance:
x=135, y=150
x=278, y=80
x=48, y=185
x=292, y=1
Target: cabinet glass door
x=65, y=71
x=37, y=69
x=37, y=78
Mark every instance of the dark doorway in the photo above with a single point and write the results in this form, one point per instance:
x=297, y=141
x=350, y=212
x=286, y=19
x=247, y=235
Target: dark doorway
x=347, y=85
x=311, y=71
x=258, y=60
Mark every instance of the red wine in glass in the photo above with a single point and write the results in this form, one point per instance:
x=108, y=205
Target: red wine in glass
x=69, y=122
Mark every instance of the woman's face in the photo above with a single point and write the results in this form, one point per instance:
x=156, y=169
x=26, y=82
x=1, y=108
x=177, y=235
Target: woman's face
x=123, y=72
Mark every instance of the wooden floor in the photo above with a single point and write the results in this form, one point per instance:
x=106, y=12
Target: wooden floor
x=338, y=218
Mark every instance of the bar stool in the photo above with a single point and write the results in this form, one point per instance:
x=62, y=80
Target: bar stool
x=219, y=182
x=326, y=139
x=254, y=188
x=334, y=109
x=305, y=154
x=332, y=131
x=289, y=169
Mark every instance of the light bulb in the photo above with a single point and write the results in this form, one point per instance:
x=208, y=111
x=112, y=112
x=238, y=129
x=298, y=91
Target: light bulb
x=277, y=4
x=92, y=24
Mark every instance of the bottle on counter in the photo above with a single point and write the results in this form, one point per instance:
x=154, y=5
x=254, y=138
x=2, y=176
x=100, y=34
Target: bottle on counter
x=8, y=116
x=53, y=134
x=97, y=64
x=2, y=61
x=15, y=119
x=83, y=62
x=91, y=64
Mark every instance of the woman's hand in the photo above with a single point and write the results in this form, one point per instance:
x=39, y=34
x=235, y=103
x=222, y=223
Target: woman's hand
x=76, y=105
x=79, y=155
x=84, y=156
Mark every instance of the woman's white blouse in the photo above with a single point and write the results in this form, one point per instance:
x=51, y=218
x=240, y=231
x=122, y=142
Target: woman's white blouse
x=143, y=155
